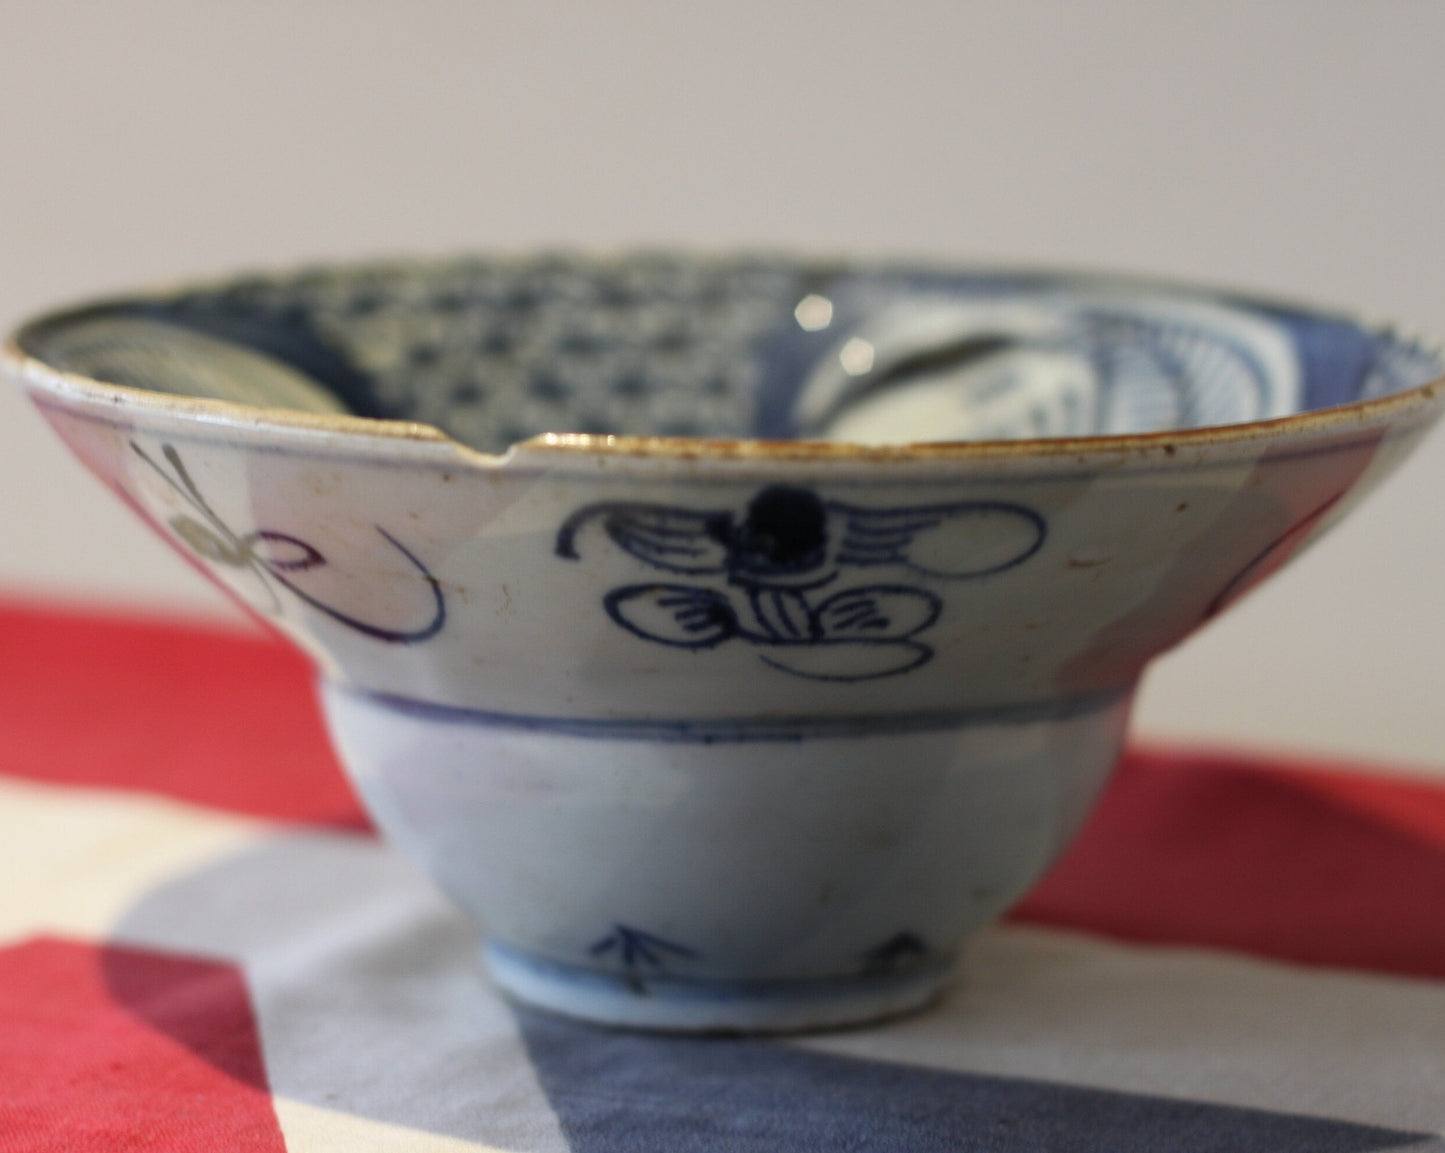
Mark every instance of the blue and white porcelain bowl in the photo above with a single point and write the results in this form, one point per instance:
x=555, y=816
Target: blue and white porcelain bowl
x=731, y=637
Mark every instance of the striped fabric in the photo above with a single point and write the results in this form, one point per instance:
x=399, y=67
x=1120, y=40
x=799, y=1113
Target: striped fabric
x=204, y=947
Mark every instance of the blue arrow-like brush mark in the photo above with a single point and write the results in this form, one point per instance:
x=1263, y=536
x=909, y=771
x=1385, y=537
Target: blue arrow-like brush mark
x=900, y=949
x=637, y=947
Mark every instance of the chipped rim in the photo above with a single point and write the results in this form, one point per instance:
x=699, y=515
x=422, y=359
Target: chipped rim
x=1418, y=399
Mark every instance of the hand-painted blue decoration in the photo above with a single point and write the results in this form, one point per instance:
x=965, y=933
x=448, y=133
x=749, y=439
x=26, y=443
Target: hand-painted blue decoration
x=635, y=948
x=276, y=555
x=899, y=951
x=771, y=568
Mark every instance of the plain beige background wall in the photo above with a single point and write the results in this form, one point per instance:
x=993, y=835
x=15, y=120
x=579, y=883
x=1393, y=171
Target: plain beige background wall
x=1293, y=148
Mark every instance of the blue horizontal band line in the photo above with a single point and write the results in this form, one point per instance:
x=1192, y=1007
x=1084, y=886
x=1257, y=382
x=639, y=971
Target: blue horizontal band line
x=723, y=730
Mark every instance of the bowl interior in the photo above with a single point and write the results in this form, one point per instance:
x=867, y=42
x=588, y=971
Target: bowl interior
x=496, y=351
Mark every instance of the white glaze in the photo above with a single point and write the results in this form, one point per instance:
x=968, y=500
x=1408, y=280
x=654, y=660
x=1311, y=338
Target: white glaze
x=787, y=855
x=681, y=783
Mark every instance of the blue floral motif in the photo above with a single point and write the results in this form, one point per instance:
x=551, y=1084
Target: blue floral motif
x=276, y=556
x=776, y=577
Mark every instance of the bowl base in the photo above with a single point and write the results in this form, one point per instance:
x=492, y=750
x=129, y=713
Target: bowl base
x=671, y=1005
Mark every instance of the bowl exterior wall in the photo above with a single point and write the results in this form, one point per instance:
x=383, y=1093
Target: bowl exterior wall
x=601, y=587
x=719, y=877
x=723, y=740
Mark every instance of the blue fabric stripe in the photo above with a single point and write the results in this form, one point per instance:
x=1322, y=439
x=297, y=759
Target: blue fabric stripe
x=617, y=1092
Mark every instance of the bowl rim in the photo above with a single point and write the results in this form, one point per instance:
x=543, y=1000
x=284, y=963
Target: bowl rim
x=33, y=371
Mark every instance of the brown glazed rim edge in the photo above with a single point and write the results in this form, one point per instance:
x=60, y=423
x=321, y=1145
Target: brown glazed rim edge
x=577, y=445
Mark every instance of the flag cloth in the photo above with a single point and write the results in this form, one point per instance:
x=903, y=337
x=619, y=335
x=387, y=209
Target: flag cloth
x=204, y=946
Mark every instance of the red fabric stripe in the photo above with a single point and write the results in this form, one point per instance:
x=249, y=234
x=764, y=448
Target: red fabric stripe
x=213, y=716
x=128, y=1050
x=1415, y=807
x=1224, y=852
x=1278, y=858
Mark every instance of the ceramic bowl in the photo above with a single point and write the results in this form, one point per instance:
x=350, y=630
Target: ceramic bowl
x=731, y=637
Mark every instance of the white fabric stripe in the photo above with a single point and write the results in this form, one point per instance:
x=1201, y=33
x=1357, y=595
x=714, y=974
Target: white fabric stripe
x=75, y=859
x=1196, y=1024
x=311, y=1129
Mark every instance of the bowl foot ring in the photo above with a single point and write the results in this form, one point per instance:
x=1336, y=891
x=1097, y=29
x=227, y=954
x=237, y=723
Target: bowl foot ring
x=679, y=1005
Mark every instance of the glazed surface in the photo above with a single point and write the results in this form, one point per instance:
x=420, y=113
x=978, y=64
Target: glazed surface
x=728, y=735
x=494, y=352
